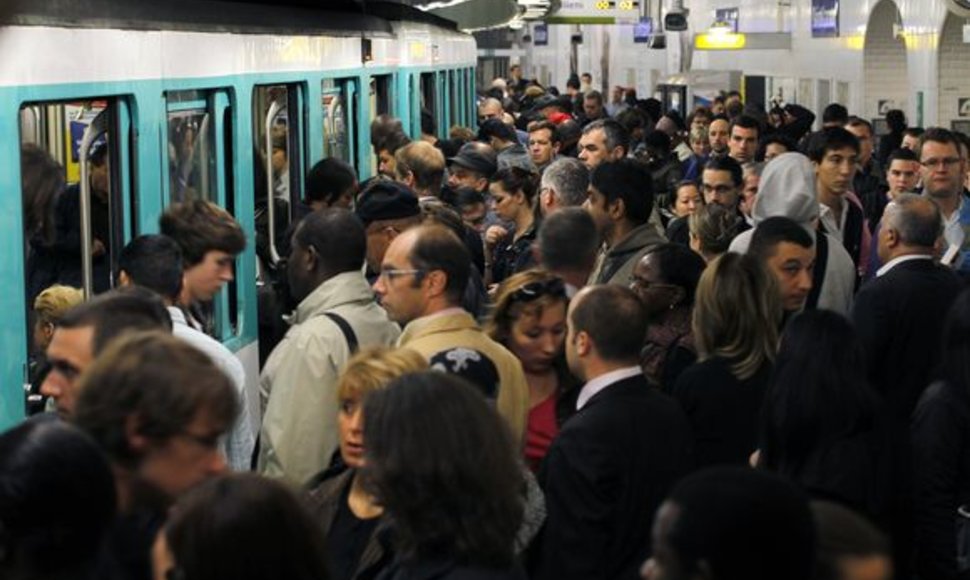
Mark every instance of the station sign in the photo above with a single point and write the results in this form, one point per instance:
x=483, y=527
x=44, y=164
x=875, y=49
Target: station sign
x=825, y=18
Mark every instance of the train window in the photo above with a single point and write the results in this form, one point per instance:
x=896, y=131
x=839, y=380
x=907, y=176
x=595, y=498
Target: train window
x=454, y=99
x=382, y=95
x=191, y=148
x=380, y=104
x=75, y=186
x=337, y=128
x=278, y=165
x=429, y=97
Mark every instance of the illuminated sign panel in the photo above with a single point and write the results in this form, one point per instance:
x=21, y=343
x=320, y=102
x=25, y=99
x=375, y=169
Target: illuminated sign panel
x=720, y=41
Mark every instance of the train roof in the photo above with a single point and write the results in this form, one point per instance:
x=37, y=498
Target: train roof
x=339, y=17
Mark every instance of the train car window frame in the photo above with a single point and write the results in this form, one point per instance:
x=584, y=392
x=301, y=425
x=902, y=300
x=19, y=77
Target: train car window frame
x=215, y=105
x=63, y=141
x=428, y=87
x=343, y=89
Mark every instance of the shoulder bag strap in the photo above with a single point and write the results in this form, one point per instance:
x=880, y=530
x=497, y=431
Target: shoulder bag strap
x=345, y=328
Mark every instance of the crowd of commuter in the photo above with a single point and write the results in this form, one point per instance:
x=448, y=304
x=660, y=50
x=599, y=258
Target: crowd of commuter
x=594, y=339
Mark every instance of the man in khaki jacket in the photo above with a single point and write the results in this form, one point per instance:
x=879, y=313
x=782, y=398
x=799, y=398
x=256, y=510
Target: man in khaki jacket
x=421, y=283
x=298, y=387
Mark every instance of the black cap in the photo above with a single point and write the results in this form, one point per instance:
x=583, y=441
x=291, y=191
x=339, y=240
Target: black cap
x=496, y=128
x=545, y=101
x=386, y=200
x=478, y=157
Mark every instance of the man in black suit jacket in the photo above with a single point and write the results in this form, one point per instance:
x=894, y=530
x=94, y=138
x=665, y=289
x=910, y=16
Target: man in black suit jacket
x=615, y=460
x=899, y=315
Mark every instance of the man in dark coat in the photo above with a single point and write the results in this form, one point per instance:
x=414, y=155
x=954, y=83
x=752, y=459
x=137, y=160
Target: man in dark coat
x=899, y=317
x=615, y=460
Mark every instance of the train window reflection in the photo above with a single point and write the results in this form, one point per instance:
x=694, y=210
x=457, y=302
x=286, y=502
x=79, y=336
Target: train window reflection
x=191, y=156
x=336, y=139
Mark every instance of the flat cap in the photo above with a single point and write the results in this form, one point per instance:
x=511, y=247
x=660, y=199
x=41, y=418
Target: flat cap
x=386, y=200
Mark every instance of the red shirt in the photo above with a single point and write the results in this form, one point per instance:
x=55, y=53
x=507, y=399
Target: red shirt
x=540, y=431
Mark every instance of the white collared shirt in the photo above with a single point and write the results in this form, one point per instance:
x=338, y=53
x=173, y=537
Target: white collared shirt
x=952, y=229
x=596, y=385
x=899, y=260
x=827, y=216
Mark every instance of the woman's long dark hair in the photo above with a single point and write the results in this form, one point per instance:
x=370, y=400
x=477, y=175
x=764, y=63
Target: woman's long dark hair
x=818, y=392
x=442, y=463
x=57, y=501
x=245, y=527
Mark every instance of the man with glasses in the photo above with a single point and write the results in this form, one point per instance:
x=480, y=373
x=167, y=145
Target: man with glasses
x=721, y=184
x=421, y=285
x=943, y=171
x=336, y=314
x=158, y=408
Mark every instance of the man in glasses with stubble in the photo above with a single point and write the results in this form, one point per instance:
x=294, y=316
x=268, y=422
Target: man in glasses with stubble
x=421, y=283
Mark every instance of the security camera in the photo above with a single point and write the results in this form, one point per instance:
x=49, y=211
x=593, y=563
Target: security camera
x=676, y=19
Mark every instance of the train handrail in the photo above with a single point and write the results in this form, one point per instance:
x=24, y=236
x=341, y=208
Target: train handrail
x=274, y=110
x=97, y=128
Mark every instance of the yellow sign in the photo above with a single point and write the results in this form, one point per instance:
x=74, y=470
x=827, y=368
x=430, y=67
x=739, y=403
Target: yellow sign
x=719, y=41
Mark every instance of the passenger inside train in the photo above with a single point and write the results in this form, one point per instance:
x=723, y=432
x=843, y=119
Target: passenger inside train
x=583, y=337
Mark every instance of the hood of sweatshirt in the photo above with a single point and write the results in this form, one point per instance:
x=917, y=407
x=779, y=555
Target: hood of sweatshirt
x=787, y=189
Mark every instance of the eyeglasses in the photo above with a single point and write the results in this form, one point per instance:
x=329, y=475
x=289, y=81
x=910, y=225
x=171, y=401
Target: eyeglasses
x=392, y=273
x=945, y=162
x=534, y=290
x=719, y=189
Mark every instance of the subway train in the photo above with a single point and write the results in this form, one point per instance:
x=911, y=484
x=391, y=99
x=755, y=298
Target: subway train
x=188, y=99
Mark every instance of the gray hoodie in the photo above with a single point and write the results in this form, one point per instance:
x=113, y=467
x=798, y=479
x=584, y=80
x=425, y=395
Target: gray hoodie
x=788, y=189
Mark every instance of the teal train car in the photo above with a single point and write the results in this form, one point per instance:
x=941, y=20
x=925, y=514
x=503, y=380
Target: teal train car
x=188, y=99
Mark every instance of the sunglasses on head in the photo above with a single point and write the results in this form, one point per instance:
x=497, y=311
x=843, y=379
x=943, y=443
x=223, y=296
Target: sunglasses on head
x=533, y=290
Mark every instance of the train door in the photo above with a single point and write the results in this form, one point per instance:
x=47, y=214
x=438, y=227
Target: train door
x=78, y=210
x=429, y=100
x=381, y=102
x=199, y=138
x=278, y=167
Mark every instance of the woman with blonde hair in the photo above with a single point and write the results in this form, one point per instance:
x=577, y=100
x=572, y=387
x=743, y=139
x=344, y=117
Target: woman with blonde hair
x=529, y=319
x=357, y=543
x=737, y=312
